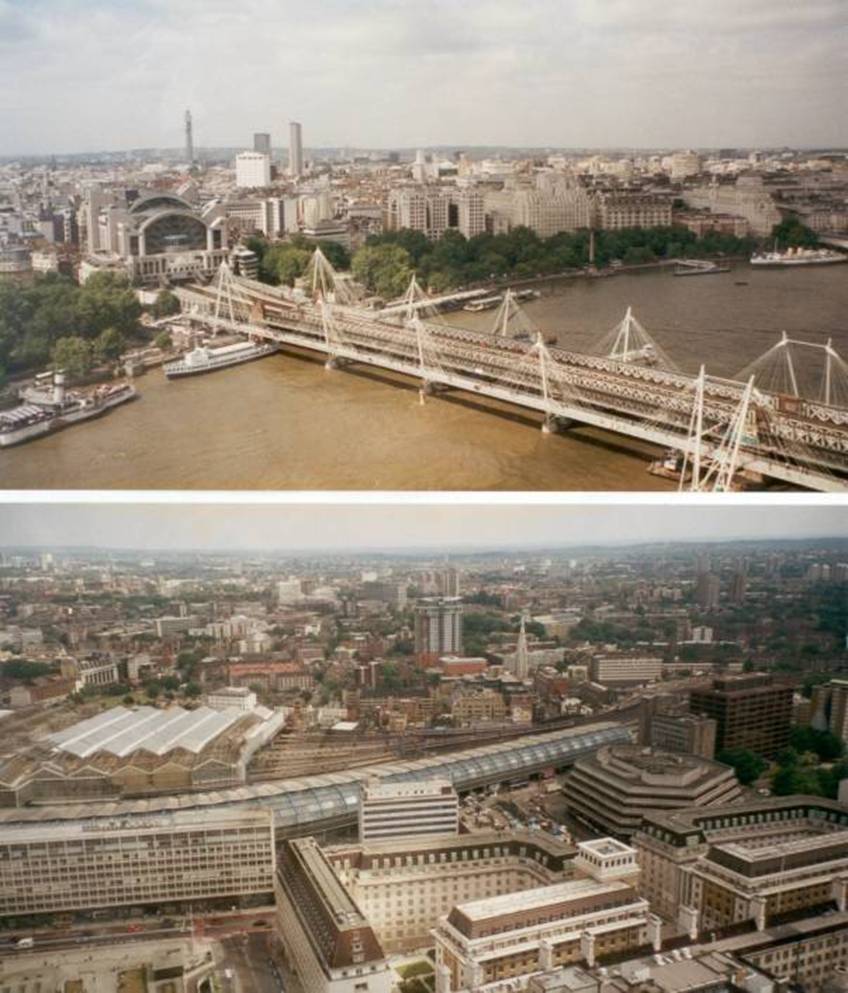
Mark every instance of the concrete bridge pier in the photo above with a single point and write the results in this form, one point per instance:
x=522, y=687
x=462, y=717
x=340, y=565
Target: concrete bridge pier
x=556, y=425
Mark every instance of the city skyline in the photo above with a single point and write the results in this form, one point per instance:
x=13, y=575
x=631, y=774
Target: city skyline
x=368, y=527
x=516, y=67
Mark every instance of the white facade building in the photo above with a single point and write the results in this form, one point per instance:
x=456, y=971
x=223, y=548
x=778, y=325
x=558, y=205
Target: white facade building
x=404, y=810
x=253, y=170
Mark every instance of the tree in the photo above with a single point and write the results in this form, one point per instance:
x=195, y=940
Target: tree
x=284, y=263
x=193, y=690
x=165, y=304
x=747, y=765
x=23, y=670
x=384, y=269
x=792, y=232
x=74, y=354
x=164, y=340
x=337, y=255
x=110, y=345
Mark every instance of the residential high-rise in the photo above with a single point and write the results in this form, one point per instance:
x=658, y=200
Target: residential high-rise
x=739, y=584
x=295, y=150
x=189, y=138
x=829, y=707
x=438, y=628
x=750, y=711
x=262, y=143
x=707, y=589
x=448, y=582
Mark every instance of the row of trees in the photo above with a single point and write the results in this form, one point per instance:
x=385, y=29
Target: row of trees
x=53, y=320
x=387, y=261
x=284, y=262
x=813, y=763
x=94, y=319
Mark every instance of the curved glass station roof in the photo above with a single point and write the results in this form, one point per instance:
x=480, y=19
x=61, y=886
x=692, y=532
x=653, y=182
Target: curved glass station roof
x=312, y=799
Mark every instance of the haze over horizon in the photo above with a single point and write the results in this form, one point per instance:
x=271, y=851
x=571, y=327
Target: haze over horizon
x=378, y=74
x=413, y=527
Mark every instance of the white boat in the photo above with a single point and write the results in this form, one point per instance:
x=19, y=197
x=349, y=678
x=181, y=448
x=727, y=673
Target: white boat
x=486, y=303
x=45, y=411
x=798, y=256
x=203, y=358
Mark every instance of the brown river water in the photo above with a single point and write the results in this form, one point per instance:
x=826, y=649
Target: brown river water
x=285, y=422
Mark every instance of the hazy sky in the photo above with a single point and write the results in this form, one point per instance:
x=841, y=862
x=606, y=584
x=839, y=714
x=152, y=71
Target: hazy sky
x=414, y=526
x=83, y=75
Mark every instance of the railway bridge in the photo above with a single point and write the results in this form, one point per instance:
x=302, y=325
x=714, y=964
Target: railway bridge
x=724, y=431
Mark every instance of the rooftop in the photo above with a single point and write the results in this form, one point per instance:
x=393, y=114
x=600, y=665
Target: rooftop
x=537, y=898
x=120, y=731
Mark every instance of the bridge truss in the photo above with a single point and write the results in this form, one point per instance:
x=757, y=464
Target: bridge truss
x=724, y=430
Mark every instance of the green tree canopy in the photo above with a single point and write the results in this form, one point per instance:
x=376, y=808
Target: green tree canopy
x=110, y=345
x=384, y=269
x=284, y=263
x=165, y=304
x=747, y=765
x=73, y=354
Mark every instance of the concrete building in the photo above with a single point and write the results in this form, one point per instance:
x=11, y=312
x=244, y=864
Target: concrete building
x=154, y=237
x=262, y=143
x=289, y=591
x=829, y=707
x=750, y=711
x=438, y=628
x=253, y=170
x=325, y=936
x=131, y=964
x=471, y=213
x=626, y=670
x=403, y=810
x=404, y=887
x=750, y=861
x=231, y=698
x=419, y=208
x=295, y=150
x=747, y=198
x=707, y=591
x=171, y=858
x=514, y=935
x=628, y=210
x=686, y=733
x=613, y=789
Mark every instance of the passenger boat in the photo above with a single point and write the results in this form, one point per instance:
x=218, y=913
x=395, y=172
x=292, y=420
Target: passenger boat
x=204, y=358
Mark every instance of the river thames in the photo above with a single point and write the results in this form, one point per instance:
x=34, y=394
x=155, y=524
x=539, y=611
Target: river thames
x=287, y=423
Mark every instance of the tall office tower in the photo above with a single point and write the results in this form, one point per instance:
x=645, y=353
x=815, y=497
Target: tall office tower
x=262, y=143
x=438, y=628
x=295, y=150
x=707, y=591
x=520, y=666
x=189, y=138
x=402, y=810
x=750, y=712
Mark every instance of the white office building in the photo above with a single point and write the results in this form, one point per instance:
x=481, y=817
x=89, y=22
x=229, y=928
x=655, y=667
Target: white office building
x=404, y=810
x=253, y=170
